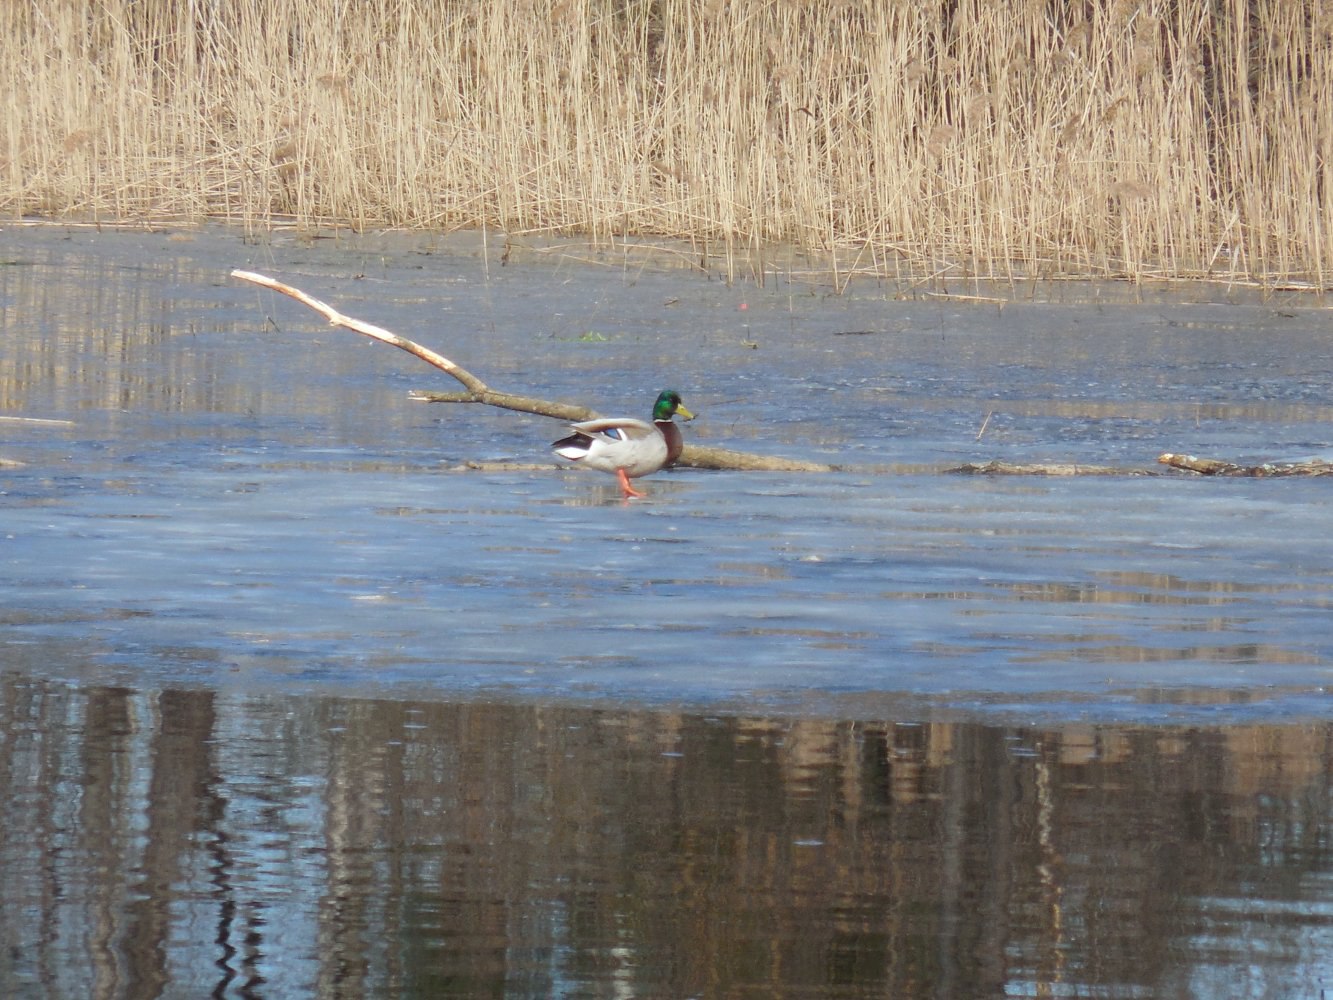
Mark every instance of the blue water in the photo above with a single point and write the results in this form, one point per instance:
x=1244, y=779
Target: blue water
x=308, y=689
x=244, y=496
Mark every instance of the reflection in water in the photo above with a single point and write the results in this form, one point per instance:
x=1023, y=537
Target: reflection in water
x=196, y=842
x=240, y=532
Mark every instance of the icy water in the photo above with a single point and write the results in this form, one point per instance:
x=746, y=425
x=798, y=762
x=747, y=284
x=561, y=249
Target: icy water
x=309, y=689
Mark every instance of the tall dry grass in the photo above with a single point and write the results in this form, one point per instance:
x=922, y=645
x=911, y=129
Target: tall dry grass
x=1110, y=137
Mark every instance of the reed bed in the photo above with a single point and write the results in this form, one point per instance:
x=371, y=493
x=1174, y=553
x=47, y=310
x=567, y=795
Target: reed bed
x=1105, y=138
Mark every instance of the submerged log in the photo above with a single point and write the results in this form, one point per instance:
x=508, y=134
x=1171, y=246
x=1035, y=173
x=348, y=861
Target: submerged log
x=1218, y=467
x=998, y=468
x=478, y=391
x=1186, y=463
x=695, y=456
x=702, y=457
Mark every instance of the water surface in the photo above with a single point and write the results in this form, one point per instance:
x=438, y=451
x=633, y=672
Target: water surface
x=312, y=689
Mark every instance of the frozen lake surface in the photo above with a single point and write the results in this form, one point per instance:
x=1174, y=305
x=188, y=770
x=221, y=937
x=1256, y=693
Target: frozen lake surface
x=309, y=689
x=246, y=496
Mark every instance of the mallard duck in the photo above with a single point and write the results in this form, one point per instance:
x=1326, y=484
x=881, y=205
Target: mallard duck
x=627, y=447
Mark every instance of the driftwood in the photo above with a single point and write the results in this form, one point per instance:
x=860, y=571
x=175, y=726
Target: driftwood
x=696, y=456
x=701, y=457
x=997, y=468
x=1217, y=467
x=1186, y=463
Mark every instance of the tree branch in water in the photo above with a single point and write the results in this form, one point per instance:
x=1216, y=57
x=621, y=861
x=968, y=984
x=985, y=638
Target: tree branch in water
x=702, y=457
x=696, y=456
x=1217, y=467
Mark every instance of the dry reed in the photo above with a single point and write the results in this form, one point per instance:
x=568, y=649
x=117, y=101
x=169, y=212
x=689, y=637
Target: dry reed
x=1108, y=137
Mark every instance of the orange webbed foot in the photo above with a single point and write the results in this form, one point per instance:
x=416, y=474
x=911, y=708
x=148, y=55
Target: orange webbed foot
x=625, y=487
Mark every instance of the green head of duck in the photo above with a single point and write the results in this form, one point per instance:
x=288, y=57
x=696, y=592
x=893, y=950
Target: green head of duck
x=668, y=405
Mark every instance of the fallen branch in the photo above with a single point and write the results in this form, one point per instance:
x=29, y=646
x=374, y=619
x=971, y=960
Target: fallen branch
x=1217, y=467
x=701, y=457
x=696, y=456
x=997, y=468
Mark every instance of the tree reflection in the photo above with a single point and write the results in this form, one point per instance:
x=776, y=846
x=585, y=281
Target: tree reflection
x=191, y=842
